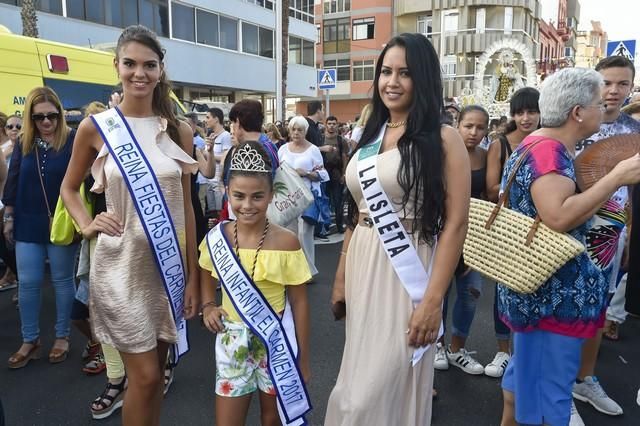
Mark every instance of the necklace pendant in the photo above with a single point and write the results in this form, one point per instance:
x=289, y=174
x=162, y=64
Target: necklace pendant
x=43, y=144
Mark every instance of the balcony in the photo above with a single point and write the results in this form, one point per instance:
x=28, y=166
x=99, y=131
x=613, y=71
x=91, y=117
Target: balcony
x=467, y=41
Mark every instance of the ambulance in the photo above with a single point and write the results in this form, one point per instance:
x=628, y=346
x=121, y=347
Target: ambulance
x=78, y=75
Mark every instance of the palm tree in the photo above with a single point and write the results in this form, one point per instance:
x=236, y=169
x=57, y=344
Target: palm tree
x=29, y=18
x=285, y=56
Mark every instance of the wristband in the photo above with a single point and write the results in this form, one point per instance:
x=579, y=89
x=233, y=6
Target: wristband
x=212, y=303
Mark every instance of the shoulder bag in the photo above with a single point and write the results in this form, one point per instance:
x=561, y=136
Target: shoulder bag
x=511, y=248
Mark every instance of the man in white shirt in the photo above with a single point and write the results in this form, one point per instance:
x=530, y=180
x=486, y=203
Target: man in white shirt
x=221, y=141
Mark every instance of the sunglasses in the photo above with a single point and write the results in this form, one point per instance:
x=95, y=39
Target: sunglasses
x=51, y=116
x=13, y=126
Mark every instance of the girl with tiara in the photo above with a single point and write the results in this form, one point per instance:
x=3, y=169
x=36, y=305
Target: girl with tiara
x=262, y=270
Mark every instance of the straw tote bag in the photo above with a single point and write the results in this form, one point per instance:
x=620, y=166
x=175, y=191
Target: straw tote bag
x=511, y=248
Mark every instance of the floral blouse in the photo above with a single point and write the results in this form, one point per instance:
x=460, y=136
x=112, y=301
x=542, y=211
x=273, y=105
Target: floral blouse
x=572, y=301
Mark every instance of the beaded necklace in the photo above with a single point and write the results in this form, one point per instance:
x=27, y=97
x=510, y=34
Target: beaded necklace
x=237, y=248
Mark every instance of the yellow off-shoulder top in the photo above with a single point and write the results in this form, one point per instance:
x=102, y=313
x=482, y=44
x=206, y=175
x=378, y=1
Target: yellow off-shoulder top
x=275, y=269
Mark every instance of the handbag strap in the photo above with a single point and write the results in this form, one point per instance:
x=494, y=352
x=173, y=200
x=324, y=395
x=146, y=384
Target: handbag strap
x=44, y=191
x=504, y=197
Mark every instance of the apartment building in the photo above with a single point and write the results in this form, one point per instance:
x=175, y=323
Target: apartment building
x=350, y=36
x=592, y=46
x=217, y=50
x=551, y=49
x=461, y=30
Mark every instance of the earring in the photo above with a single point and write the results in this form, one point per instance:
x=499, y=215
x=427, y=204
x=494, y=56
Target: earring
x=579, y=120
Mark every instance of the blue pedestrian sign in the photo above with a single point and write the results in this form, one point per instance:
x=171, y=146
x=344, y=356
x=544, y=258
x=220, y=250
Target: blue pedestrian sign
x=327, y=79
x=626, y=48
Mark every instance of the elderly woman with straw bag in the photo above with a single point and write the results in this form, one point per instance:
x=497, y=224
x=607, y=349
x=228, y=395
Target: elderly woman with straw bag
x=551, y=323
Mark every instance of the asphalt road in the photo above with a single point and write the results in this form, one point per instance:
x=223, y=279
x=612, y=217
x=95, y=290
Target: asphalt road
x=45, y=394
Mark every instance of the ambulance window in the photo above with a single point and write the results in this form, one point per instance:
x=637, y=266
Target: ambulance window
x=75, y=95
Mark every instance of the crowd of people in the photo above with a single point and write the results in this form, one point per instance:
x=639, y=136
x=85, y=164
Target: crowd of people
x=169, y=210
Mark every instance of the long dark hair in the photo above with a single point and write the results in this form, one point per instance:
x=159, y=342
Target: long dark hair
x=421, y=172
x=161, y=102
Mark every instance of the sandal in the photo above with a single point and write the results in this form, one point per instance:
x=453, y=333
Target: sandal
x=19, y=360
x=96, y=365
x=110, y=400
x=57, y=353
x=611, y=330
x=90, y=350
x=8, y=280
x=168, y=374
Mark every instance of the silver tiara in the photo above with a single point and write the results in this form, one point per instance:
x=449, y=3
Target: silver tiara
x=248, y=159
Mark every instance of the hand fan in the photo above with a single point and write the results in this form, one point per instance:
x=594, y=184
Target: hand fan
x=601, y=157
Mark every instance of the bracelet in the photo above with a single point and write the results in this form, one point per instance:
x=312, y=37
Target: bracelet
x=212, y=303
x=343, y=253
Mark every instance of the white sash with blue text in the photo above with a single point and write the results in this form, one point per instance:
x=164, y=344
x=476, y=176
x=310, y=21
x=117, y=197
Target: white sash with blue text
x=153, y=212
x=393, y=236
x=277, y=335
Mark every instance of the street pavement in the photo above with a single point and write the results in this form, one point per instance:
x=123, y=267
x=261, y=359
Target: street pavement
x=45, y=394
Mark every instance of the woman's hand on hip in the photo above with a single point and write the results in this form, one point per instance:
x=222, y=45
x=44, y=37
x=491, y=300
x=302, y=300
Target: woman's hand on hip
x=106, y=223
x=424, y=324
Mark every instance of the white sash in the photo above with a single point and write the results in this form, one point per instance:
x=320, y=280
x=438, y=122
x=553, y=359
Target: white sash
x=278, y=335
x=394, y=238
x=147, y=197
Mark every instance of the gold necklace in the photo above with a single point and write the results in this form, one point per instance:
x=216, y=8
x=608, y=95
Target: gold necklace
x=396, y=124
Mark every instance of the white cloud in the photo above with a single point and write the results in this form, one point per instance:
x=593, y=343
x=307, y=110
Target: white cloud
x=619, y=18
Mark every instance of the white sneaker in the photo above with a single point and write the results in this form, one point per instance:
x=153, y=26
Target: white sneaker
x=591, y=391
x=499, y=364
x=463, y=360
x=576, y=420
x=638, y=400
x=440, y=362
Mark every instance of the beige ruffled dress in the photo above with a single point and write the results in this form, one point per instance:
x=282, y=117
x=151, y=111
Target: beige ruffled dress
x=128, y=304
x=377, y=386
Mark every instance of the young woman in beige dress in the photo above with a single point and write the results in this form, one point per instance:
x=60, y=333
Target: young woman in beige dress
x=129, y=307
x=424, y=169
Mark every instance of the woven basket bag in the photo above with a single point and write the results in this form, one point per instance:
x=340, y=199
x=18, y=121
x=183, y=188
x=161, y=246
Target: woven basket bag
x=511, y=248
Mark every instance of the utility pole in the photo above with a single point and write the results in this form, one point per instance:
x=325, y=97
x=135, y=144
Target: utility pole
x=278, y=51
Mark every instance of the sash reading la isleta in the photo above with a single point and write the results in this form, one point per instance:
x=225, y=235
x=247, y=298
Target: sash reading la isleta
x=394, y=238
x=277, y=335
x=152, y=209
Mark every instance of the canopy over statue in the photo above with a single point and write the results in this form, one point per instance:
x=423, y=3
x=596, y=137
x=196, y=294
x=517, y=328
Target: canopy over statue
x=493, y=87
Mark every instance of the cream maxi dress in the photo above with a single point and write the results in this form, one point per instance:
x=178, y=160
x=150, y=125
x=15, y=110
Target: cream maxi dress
x=128, y=304
x=377, y=384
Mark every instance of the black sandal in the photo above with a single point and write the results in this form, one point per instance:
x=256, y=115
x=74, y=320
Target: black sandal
x=111, y=399
x=168, y=374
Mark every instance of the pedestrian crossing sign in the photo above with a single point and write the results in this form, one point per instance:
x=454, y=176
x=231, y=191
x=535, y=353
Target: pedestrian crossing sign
x=626, y=48
x=327, y=79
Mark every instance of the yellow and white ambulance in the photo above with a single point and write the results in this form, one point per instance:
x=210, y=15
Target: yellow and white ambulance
x=78, y=75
